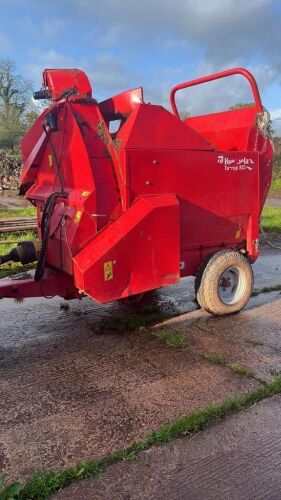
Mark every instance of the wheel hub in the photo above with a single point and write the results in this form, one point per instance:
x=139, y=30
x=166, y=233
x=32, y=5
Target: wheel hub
x=231, y=285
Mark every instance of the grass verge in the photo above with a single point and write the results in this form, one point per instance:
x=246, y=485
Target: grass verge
x=271, y=219
x=43, y=484
x=275, y=185
x=18, y=212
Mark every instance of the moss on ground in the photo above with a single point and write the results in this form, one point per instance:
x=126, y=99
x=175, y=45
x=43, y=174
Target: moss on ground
x=172, y=339
x=219, y=359
x=266, y=289
x=242, y=370
x=132, y=322
x=214, y=357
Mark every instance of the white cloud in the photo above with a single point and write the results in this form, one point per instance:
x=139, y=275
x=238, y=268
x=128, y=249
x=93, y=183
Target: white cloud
x=46, y=59
x=109, y=74
x=212, y=96
x=107, y=37
x=106, y=73
x=226, y=33
x=226, y=29
x=275, y=115
x=48, y=29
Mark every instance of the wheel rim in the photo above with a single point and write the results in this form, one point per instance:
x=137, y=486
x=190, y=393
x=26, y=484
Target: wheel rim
x=232, y=285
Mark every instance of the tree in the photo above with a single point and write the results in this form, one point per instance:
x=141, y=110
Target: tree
x=17, y=111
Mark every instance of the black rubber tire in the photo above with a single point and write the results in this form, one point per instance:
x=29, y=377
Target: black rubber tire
x=208, y=295
x=199, y=273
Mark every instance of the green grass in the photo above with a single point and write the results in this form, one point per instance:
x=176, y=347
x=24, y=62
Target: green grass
x=172, y=339
x=14, y=238
x=275, y=185
x=242, y=370
x=271, y=219
x=219, y=359
x=9, y=492
x=147, y=316
x=18, y=212
x=214, y=357
x=13, y=267
x=43, y=484
x=266, y=289
x=132, y=322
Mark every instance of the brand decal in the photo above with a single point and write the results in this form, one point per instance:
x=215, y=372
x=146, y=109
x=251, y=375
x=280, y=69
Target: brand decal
x=235, y=164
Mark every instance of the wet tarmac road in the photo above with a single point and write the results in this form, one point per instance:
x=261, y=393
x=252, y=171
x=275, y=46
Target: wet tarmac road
x=238, y=458
x=70, y=391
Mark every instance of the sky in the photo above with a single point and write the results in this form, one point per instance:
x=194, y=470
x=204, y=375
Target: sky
x=123, y=44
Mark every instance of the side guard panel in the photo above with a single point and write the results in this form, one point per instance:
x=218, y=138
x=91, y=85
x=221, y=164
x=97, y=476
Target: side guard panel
x=137, y=252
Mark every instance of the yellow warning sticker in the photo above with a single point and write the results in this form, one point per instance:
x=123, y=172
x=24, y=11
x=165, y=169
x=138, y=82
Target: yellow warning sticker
x=50, y=160
x=238, y=233
x=108, y=270
x=77, y=216
x=85, y=193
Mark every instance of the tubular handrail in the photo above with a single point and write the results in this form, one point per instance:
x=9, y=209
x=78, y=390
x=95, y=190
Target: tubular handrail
x=216, y=76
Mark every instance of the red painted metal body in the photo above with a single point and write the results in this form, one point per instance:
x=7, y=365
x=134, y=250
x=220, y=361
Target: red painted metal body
x=143, y=206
